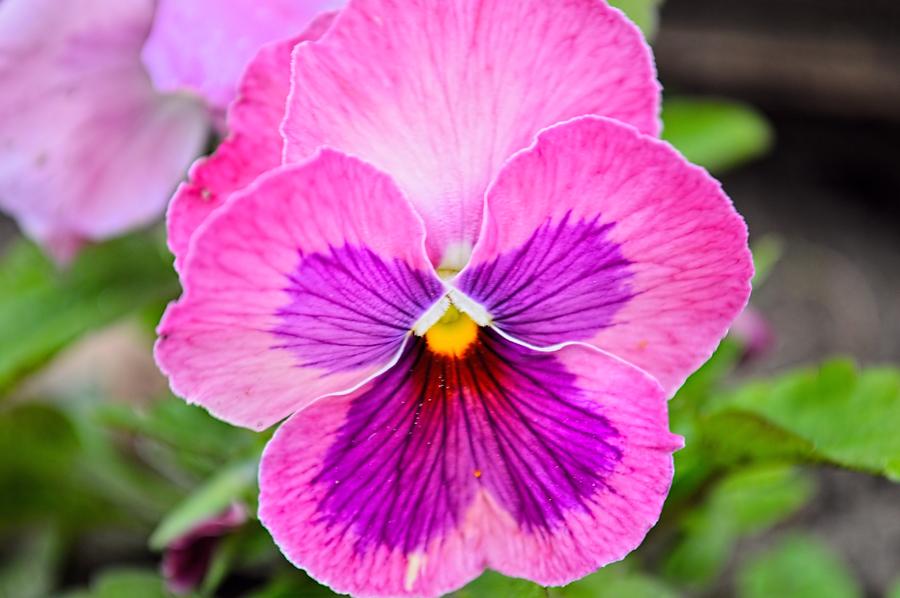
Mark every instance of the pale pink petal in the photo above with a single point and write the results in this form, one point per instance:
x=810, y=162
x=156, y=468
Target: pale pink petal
x=605, y=235
x=205, y=45
x=440, y=94
x=88, y=149
x=539, y=465
x=253, y=146
x=305, y=283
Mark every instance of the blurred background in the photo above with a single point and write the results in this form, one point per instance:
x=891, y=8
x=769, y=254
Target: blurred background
x=795, y=106
x=826, y=74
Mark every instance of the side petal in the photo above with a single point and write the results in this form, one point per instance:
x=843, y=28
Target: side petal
x=254, y=144
x=88, y=150
x=440, y=94
x=539, y=465
x=203, y=46
x=304, y=284
x=604, y=235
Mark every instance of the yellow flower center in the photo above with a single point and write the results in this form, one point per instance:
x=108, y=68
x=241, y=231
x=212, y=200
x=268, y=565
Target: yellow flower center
x=453, y=334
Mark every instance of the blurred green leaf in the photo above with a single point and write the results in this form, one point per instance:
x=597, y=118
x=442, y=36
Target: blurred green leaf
x=194, y=438
x=292, y=585
x=894, y=592
x=42, y=309
x=767, y=252
x=32, y=569
x=744, y=502
x=494, y=585
x=645, y=13
x=833, y=414
x=38, y=472
x=615, y=581
x=113, y=470
x=231, y=484
x=799, y=567
x=716, y=134
x=126, y=583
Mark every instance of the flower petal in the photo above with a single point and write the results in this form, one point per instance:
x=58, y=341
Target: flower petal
x=203, y=46
x=89, y=150
x=441, y=94
x=254, y=144
x=604, y=235
x=538, y=465
x=304, y=284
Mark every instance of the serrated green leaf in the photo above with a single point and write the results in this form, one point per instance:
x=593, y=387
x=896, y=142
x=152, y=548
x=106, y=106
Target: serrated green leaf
x=799, y=567
x=615, y=581
x=494, y=585
x=834, y=414
x=644, y=13
x=130, y=583
x=744, y=502
x=229, y=485
x=716, y=134
x=43, y=308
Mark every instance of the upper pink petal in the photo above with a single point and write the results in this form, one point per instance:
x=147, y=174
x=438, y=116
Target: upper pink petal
x=601, y=234
x=204, y=45
x=88, y=149
x=440, y=94
x=253, y=146
x=304, y=284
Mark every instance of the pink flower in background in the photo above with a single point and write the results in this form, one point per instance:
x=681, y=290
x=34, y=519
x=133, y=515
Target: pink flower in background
x=253, y=145
x=204, y=45
x=88, y=149
x=755, y=334
x=470, y=289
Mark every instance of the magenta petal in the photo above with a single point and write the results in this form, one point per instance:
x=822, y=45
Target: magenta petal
x=204, y=45
x=441, y=94
x=254, y=144
x=88, y=150
x=601, y=234
x=539, y=465
x=306, y=283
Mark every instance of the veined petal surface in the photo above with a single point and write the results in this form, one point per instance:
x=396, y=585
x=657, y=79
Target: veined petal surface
x=304, y=284
x=539, y=465
x=440, y=94
x=204, y=45
x=253, y=146
x=88, y=149
x=601, y=234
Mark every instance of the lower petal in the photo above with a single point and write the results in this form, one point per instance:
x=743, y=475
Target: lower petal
x=539, y=465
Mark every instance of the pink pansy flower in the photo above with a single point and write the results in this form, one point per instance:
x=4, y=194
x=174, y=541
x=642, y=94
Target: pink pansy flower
x=472, y=287
x=89, y=149
x=205, y=45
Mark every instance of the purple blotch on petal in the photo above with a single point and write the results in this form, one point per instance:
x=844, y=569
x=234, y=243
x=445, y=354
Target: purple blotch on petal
x=564, y=284
x=350, y=308
x=433, y=430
